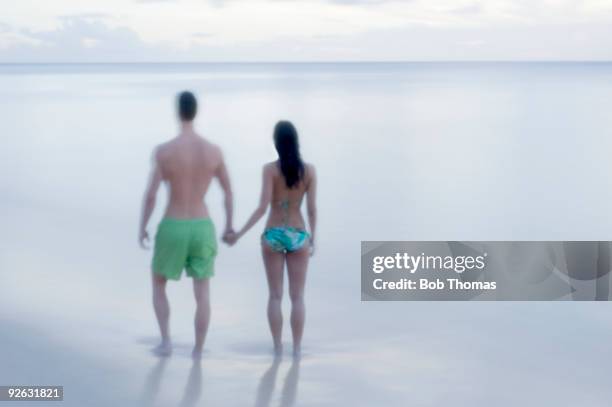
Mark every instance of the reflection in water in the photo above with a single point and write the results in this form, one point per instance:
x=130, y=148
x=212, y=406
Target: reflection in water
x=266, y=384
x=152, y=384
x=265, y=390
x=289, y=394
x=193, y=388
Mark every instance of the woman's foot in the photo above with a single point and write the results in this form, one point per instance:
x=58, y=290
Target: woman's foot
x=196, y=353
x=297, y=351
x=164, y=349
x=278, y=349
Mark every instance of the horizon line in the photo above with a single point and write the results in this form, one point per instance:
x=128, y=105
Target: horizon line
x=310, y=62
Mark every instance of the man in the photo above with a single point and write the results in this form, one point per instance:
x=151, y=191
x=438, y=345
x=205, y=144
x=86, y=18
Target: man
x=185, y=237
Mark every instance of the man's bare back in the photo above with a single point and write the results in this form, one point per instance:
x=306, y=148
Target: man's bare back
x=188, y=163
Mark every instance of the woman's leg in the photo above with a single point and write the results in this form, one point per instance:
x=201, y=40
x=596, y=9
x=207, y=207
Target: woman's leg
x=297, y=263
x=162, y=312
x=201, y=293
x=274, y=263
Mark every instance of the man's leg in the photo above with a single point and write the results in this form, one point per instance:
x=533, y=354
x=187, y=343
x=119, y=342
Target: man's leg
x=202, y=316
x=162, y=312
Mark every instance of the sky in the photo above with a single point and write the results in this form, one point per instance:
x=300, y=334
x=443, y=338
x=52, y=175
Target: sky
x=304, y=30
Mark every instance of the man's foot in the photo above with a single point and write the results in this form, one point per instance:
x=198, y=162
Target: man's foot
x=297, y=352
x=278, y=349
x=164, y=349
x=196, y=353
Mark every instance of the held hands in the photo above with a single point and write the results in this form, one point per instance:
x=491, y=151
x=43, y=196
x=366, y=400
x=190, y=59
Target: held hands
x=230, y=237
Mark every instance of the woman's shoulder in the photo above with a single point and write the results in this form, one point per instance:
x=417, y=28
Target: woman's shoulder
x=309, y=169
x=270, y=168
x=270, y=165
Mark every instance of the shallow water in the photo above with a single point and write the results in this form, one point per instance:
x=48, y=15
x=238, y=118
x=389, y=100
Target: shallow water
x=403, y=151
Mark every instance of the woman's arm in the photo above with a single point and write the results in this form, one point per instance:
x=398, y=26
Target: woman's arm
x=264, y=202
x=148, y=202
x=311, y=206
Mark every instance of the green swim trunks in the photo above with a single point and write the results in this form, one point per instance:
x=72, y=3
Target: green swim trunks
x=189, y=244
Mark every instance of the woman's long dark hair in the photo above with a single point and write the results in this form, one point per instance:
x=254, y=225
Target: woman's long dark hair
x=288, y=148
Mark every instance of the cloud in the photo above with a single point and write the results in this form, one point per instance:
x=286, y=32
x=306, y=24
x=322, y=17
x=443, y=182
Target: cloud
x=75, y=28
x=11, y=39
x=475, y=8
x=85, y=16
x=78, y=38
x=260, y=30
x=363, y=2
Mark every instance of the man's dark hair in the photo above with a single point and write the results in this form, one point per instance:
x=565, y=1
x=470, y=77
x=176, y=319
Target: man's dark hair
x=187, y=106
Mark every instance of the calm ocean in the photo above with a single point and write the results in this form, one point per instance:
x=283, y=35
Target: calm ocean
x=404, y=151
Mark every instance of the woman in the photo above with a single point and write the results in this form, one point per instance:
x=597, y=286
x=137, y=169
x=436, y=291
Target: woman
x=285, y=239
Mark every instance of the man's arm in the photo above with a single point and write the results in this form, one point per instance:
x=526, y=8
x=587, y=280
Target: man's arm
x=228, y=201
x=311, y=206
x=148, y=202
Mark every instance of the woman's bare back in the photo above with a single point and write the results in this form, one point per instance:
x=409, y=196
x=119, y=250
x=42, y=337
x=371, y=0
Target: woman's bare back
x=286, y=202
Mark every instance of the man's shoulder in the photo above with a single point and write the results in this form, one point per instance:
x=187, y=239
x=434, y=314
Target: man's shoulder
x=216, y=149
x=210, y=146
x=162, y=149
